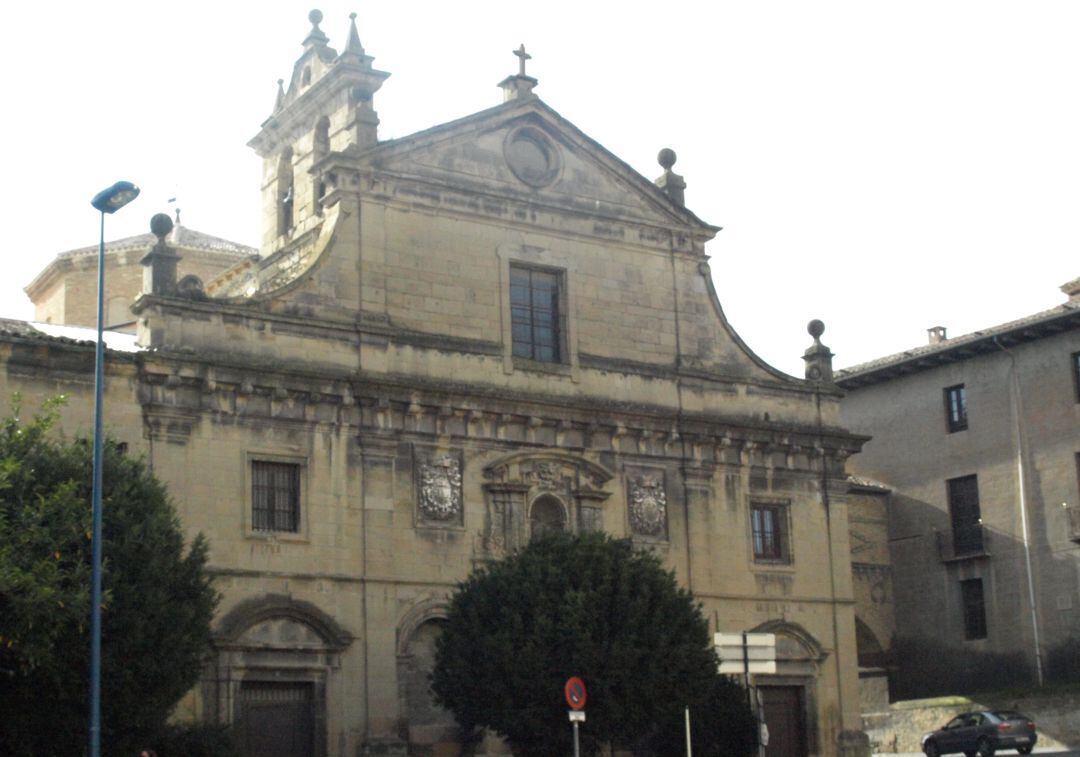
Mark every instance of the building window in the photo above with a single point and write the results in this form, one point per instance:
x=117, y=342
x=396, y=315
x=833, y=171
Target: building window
x=971, y=597
x=548, y=516
x=275, y=496
x=1076, y=373
x=955, y=408
x=966, y=517
x=768, y=526
x=534, y=314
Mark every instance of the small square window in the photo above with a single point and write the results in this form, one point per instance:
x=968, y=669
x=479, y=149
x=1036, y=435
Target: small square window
x=768, y=527
x=971, y=596
x=275, y=496
x=535, y=314
x=956, y=408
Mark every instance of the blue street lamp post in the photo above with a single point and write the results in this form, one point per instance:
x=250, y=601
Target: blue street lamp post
x=107, y=201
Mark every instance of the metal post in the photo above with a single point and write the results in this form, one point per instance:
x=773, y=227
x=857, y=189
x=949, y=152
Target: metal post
x=688, y=752
x=95, y=591
x=746, y=670
x=577, y=745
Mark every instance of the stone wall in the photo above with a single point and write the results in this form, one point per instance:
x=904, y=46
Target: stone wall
x=901, y=727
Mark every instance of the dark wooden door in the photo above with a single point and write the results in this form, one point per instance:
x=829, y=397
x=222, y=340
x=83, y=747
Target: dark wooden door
x=784, y=715
x=276, y=719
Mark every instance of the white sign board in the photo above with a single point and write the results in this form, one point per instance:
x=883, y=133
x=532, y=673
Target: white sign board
x=756, y=655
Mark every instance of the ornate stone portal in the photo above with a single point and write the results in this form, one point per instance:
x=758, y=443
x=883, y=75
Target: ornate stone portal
x=518, y=482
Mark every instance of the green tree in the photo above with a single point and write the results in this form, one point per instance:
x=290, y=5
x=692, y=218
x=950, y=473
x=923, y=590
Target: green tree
x=587, y=605
x=157, y=605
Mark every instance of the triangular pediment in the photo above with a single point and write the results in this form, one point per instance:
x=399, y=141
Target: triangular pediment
x=525, y=150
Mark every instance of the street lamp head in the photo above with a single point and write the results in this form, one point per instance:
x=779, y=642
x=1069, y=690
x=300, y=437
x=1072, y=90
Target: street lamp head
x=115, y=197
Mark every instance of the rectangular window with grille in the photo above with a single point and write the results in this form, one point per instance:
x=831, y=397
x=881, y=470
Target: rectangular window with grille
x=965, y=515
x=768, y=526
x=956, y=408
x=275, y=496
x=971, y=596
x=535, y=314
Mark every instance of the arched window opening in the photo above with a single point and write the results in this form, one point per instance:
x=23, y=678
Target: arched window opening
x=322, y=137
x=285, y=192
x=306, y=77
x=548, y=516
x=867, y=647
x=321, y=149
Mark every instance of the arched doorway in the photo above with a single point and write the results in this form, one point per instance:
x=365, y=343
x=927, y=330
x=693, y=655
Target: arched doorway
x=788, y=698
x=428, y=728
x=275, y=657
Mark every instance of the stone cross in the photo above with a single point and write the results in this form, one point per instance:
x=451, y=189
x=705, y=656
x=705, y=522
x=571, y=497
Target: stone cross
x=523, y=56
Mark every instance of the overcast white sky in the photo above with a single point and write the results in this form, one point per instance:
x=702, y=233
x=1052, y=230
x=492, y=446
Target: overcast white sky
x=883, y=166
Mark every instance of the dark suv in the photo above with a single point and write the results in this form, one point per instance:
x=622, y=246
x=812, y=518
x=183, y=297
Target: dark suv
x=982, y=733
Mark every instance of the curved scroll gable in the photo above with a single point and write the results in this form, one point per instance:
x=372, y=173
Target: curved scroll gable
x=433, y=608
x=813, y=651
x=286, y=269
x=250, y=613
x=532, y=462
x=718, y=311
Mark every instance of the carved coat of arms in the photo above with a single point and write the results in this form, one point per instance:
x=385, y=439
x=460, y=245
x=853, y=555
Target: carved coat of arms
x=648, y=506
x=440, y=488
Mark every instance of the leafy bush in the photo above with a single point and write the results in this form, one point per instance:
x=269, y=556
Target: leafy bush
x=195, y=740
x=156, y=607
x=586, y=605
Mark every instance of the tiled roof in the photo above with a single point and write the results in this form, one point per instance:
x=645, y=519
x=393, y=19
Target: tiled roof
x=180, y=237
x=114, y=340
x=1048, y=322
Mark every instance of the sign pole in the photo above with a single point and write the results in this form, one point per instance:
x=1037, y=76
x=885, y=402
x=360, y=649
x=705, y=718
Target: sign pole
x=576, y=696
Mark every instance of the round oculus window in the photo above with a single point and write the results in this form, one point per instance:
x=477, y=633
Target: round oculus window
x=532, y=156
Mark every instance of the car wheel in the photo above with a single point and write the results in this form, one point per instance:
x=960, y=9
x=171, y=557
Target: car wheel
x=1024, y=749
x=931, y=750
x=984, y=748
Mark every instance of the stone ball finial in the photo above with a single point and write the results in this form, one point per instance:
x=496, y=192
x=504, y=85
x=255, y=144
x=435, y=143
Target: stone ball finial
x=315, y=17
x=666, y=158
x=161, y=225
x=352, y=16
x=815, y=328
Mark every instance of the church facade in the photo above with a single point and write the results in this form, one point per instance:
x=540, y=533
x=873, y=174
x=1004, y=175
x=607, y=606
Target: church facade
x=450, y=342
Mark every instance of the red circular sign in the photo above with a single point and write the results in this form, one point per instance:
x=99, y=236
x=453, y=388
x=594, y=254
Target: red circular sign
x=575, y=693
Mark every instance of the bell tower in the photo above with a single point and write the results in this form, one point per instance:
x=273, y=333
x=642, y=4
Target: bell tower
x=326, y=107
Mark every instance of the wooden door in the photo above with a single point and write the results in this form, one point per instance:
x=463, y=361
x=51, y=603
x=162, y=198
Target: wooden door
x=276, y=719
x=785, y=718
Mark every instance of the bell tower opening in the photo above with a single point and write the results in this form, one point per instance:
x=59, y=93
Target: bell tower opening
x=328, y=99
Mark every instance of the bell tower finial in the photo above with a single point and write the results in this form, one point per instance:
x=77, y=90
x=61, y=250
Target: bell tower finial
x=353, y=46
x=315, y=37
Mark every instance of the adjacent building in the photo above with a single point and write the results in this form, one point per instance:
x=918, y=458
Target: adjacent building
x=979, y=438
x=448, y=343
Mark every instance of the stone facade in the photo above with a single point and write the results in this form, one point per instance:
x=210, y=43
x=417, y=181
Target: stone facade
x=65, y=292
x=367, y=372
x=985, y=500
x=871, y=572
